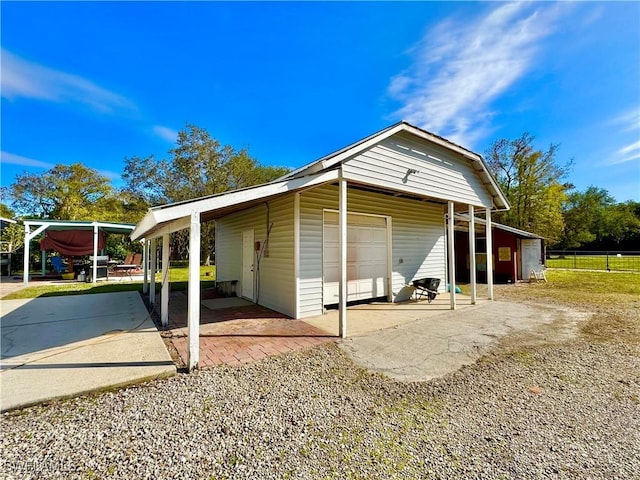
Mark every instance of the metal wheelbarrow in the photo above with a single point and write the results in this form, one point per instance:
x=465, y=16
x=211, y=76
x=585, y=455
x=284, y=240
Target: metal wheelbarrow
x=426, y=287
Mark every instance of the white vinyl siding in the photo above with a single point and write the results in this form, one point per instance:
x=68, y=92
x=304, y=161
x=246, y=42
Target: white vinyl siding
x=418, y=241
x=441, y=174
x=276, y=286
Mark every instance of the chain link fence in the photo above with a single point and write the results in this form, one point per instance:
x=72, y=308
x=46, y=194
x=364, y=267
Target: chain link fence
x=585, y=260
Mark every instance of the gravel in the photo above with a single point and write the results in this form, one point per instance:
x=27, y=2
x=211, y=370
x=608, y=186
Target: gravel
x=569, y=410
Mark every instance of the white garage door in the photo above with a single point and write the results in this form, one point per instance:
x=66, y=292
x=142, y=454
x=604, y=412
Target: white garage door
x=366, y=258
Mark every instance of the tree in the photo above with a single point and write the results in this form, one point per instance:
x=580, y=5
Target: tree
x=198, y=166
x=620, y=227
x=593, y=220
x=530, y=179
x=5, y=211
x=66, y=192
x=584, y=214
x=74, y=192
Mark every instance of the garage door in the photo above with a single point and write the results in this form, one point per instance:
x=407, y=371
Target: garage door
x=366, y=258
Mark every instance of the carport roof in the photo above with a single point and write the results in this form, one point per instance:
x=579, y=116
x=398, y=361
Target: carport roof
x=58, y=225
x=506, y=228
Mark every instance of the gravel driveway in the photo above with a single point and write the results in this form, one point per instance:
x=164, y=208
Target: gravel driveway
x=553, y=410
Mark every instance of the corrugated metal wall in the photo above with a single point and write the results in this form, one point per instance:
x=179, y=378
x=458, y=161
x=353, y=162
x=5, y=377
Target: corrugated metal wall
x=441, y=173
x=418, y=241
x=276, y=286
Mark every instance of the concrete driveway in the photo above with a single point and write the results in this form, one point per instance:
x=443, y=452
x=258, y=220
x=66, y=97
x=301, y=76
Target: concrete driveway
x=416, y=341
x=57, y=347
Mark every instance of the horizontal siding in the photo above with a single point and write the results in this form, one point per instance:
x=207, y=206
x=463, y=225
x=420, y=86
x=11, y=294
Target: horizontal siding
x=276, y=286
x=277, y=279
x=448, y=176
x=418, y=242
x=310, y=268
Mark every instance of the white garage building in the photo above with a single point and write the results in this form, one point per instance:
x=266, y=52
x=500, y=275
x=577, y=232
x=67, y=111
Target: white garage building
x=358, y=224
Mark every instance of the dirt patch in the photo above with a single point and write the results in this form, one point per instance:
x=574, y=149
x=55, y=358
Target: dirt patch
x=610, y=316
x=558, y=325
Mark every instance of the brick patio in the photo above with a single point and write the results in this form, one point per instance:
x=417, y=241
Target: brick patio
x=241, y=334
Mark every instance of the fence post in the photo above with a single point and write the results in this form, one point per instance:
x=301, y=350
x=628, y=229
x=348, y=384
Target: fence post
x=608, y=269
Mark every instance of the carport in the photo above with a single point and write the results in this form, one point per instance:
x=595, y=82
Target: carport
x=92, y=246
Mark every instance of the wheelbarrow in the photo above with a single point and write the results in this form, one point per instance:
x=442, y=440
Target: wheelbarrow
x=426, y=287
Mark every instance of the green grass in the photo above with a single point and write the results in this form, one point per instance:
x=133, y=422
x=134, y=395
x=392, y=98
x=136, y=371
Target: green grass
x=577, y=287
x=577, y=282
x=596, y=262
x=178, y=278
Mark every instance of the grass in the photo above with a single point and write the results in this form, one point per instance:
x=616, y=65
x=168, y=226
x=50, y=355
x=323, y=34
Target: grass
x=629, y=263
x=612, y=298
x=578, y=283
x=178, y=278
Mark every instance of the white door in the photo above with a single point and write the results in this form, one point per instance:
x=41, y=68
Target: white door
x=531, y=256
x=248, y=255
x=366, y=258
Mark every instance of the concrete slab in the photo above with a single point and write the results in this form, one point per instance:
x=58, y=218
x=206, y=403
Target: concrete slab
x=226, y=302
x=58, y=347
x=9, y=285
x=440, y=342
x=371, y=317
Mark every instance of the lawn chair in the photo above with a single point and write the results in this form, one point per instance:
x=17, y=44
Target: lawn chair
x=127, y=260
x=538, y=275
x=58, y=266
x=426, y=287
x=137, y=261
x=131, y=264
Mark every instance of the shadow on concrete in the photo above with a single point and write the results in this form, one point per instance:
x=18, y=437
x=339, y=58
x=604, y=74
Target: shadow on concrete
x=63, y=346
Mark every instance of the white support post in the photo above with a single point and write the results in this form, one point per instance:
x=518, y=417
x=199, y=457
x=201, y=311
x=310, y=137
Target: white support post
x=28, y=236
x=164, y=296
x=25, y=268
x=193, y=315
x=153, y=256
x=452, y=256
x=342, y=222
x=489, y=254
x=145, y=266
x=472, y=254
x=95, y=254
x=296, y=251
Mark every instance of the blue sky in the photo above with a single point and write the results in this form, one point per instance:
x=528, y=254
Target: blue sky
x=97, y=82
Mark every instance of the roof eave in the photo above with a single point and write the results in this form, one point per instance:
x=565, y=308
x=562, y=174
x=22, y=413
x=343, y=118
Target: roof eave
x=167, y=214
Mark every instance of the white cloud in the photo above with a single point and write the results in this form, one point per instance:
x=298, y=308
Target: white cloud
x=629, y=121
x=14, y=159
x=21, y=78
x=626, y=154
x=630, y=148
x=461, y=66
x=166, y=133
x=626, y=123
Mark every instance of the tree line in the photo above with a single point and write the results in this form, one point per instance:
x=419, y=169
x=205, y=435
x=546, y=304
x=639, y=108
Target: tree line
x=544, y=202
x=198, y=166
x=534, y=181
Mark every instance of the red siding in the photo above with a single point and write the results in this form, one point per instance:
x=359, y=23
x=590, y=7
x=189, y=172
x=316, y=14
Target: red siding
x=503, y=272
